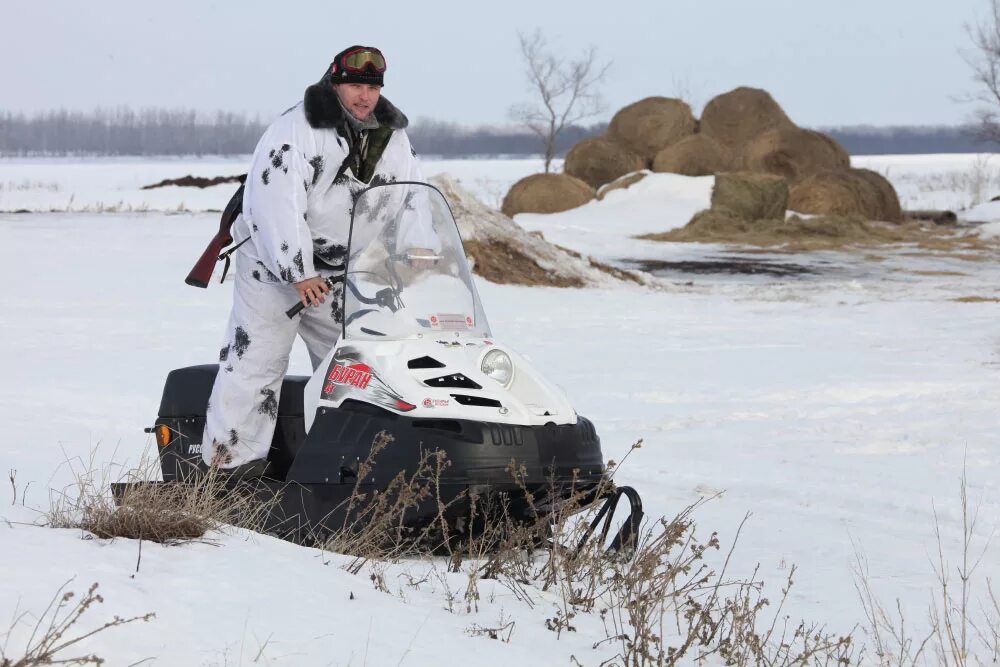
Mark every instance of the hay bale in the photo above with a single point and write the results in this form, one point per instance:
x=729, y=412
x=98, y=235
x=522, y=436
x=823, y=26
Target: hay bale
x=793, y=153
x=598, y=160
x=891, y=211
x=546, y=193
x=750, y=196
x=625, y=182
x=736, y=117
x=650, y=125
x=846, y=192
x=697, y=155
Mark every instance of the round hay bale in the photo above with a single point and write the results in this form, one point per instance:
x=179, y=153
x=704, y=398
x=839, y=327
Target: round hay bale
x=794, y=153
x=697, y=155
x=846, y=192
x=546, y=193
x=622, y=183
x=892, y=211
x=598, y=160
x=736, y=117
x=650, y=125
x=750, y=196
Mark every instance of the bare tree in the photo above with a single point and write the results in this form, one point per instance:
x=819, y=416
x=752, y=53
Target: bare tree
x=567, y=90
x=984, y=59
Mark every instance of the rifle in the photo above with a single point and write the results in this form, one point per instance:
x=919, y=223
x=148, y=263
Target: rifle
x=201, y=274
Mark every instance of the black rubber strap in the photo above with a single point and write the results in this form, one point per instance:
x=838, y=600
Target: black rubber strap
x=226, y=256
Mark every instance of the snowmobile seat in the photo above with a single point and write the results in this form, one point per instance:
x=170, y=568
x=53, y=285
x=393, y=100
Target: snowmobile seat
x=183, y=407
x=187, y=390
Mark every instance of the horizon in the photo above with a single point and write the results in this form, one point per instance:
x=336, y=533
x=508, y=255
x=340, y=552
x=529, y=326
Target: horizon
x=207, y=115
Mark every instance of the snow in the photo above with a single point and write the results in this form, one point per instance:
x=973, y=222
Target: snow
x=942, y=182
x=603, y=228
x=839, y=407
x=987, y=211
x=115, y=184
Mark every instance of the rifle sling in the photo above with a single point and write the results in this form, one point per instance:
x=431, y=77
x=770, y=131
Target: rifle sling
x=226, y=256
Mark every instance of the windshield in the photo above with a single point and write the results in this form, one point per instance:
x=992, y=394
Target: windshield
x=407, y=276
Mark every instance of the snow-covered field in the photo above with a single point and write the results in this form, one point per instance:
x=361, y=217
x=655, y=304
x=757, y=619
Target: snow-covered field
x=115, y=184
x=839, y=406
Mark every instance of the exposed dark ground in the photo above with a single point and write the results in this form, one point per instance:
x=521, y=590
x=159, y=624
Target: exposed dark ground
x=726, y=265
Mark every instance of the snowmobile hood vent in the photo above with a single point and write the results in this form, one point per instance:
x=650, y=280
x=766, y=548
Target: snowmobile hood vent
x=465, y=399
x=455, y=381
x=424, y=362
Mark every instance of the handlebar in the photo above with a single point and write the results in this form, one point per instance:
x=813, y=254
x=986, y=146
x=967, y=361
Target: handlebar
x=386, y=297
x=297, y=308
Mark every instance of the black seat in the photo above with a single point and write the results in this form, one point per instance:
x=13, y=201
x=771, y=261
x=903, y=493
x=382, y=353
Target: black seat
x=186, y=392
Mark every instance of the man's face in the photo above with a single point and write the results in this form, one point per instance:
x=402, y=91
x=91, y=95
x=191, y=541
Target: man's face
x=359, y=98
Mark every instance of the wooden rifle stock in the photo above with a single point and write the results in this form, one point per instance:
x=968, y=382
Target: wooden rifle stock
x=201, y=274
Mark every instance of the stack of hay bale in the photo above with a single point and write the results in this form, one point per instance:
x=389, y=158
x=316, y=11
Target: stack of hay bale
x=743, y=131
x=635, y=136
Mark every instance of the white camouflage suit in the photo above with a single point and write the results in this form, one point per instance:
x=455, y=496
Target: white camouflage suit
x=294, y=207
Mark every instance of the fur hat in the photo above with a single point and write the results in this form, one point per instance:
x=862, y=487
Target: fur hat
x=341, y=72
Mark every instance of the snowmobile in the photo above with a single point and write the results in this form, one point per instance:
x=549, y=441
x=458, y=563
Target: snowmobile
x=417, y=361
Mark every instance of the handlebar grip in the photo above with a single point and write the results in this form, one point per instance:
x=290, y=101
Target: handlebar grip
x=297, y=308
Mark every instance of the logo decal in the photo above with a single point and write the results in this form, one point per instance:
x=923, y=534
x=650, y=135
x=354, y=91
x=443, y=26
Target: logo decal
x=349, y=373
x=355, y=375
x=435, y=402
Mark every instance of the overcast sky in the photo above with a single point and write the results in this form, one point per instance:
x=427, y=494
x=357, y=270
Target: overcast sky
x=835, y=62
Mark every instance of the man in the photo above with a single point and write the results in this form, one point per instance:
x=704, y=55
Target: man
x=306, y=170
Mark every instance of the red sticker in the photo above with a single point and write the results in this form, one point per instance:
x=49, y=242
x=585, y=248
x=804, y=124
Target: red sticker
x=355, y=375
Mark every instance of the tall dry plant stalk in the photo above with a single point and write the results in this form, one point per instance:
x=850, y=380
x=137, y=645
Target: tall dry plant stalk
x=961, y=630
x=51, y=636
x=375, y=526
x=660, y=600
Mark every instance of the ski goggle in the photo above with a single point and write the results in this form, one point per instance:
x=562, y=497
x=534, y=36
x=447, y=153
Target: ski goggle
x=361, y=60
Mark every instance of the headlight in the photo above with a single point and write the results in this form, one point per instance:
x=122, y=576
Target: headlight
x=497, y=365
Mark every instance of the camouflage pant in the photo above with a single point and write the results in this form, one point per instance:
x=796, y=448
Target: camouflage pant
x=243, y=409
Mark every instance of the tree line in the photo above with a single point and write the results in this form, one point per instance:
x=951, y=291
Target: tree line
x=124, y=131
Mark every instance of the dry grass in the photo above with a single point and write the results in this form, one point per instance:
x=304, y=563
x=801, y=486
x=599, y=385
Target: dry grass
x=938, y=273
x=659, y=600
x=375, y=526
x=977, y=299
x=961, y=630
x=825, y=233
x=665, y=598
x=27, y=184
x=51, y=637
x=978, y=182
x=159, y=512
